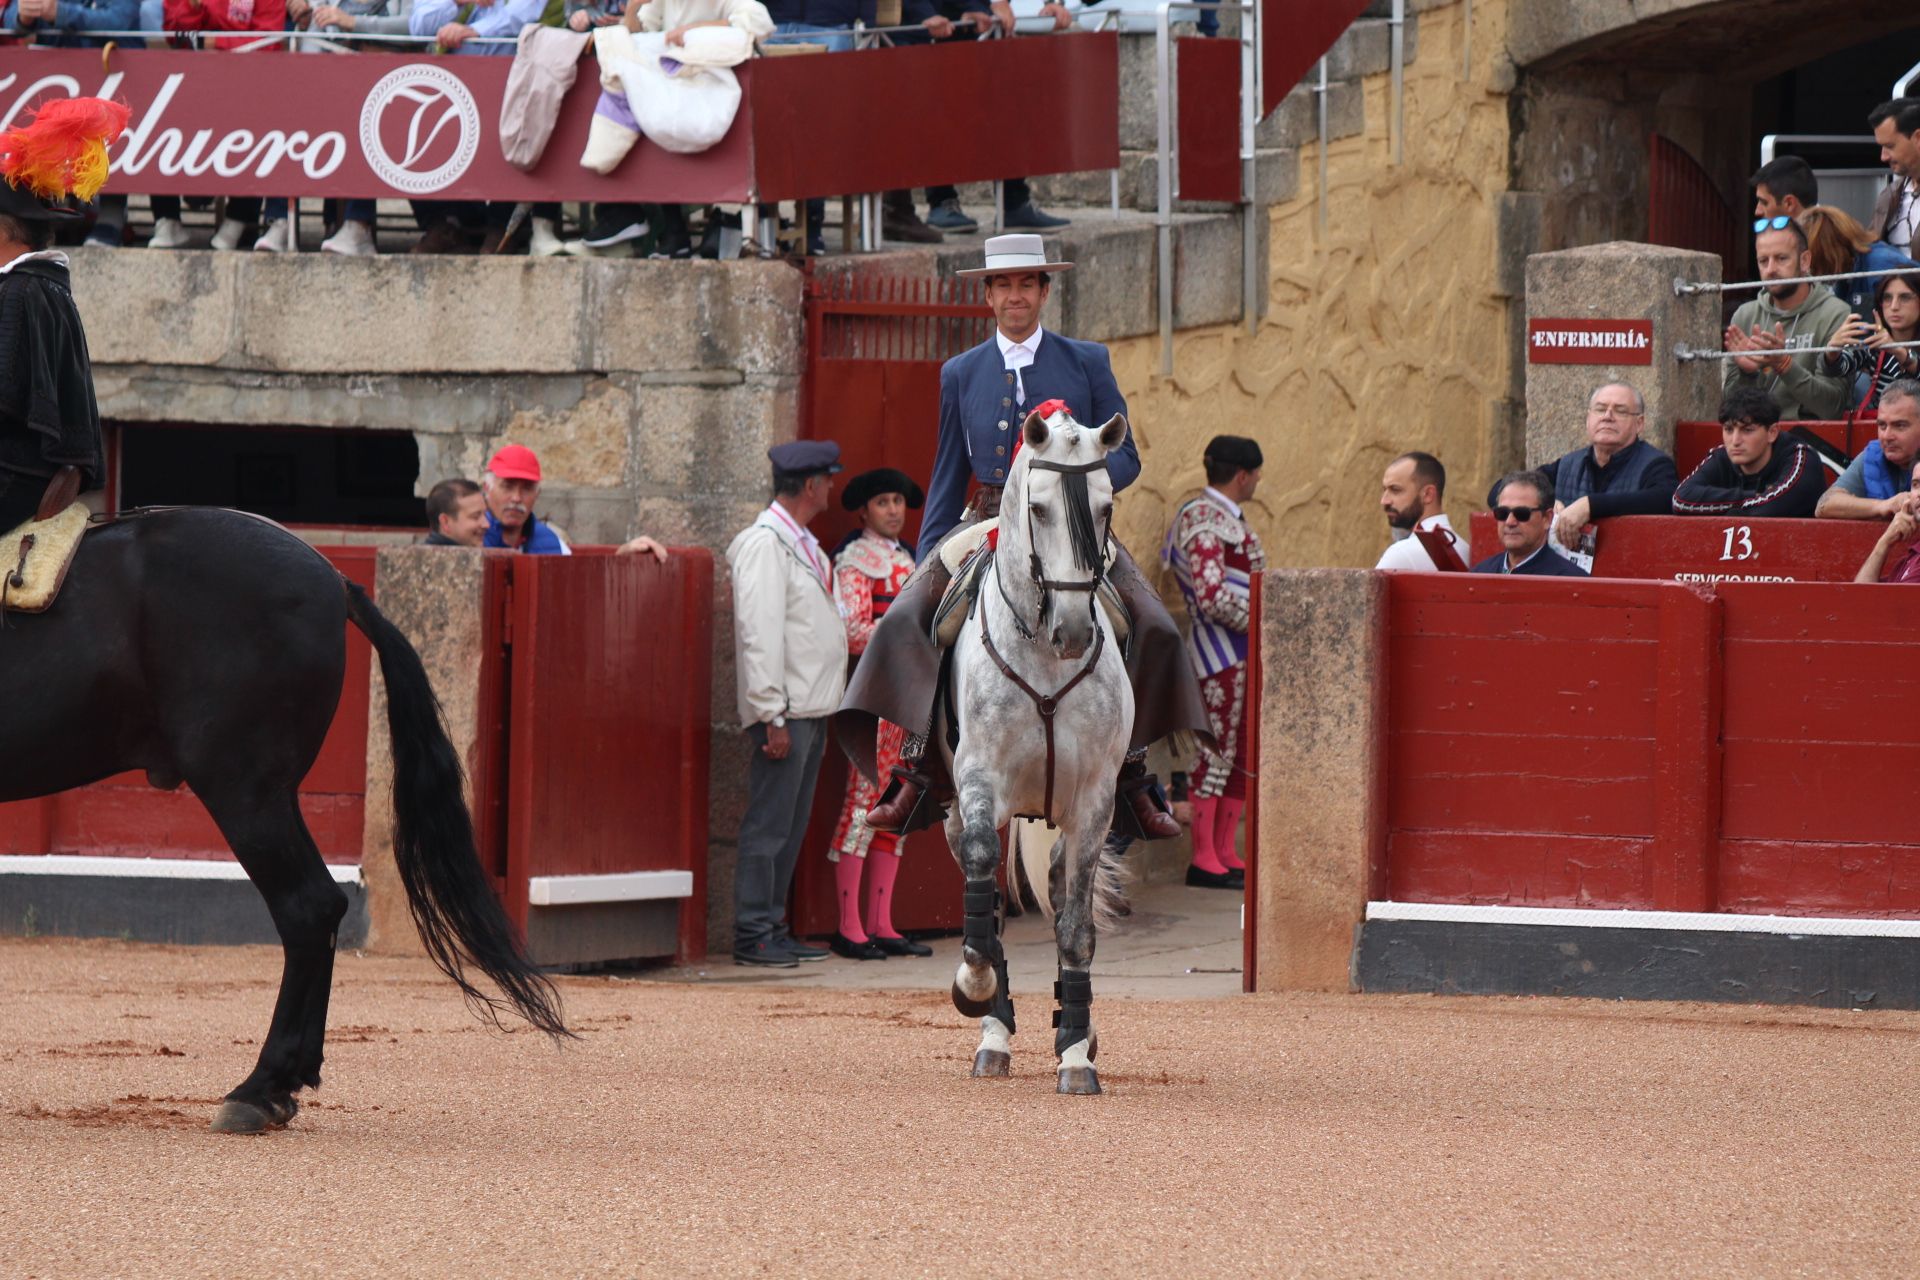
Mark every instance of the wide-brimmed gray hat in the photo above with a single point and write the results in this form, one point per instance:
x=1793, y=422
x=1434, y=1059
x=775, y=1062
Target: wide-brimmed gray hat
x=1014, y=255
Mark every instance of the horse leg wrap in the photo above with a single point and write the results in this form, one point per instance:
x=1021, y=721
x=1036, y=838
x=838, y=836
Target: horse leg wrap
x=1073, y=1020
x=980, y=928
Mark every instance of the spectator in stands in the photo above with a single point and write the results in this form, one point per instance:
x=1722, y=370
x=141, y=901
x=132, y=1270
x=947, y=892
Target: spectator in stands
x=790, y=646
x=1753, y=472
x=1894, y=214
x=511, y=484
x=1617, y=474
x=1837, y=245
x=255, y=16
x=1789, y=319
x=1898, y=530
x=456, y=514
x=1784, y=184
x=1522, y=506
x=1875, y=484
x=1411, y=493
x=1874, y=360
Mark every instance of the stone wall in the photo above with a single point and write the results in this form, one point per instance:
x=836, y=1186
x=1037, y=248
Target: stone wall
x=1389, y=330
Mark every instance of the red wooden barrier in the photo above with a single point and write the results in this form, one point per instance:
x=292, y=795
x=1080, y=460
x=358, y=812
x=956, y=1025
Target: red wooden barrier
x=1587, y=745
x=1715, y=549
x=126, y=816
x=1693, y=441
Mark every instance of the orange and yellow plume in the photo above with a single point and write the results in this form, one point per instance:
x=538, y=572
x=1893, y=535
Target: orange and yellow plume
x=63, y=151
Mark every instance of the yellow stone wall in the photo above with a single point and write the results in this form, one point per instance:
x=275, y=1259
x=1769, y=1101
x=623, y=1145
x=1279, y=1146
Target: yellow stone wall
x=1386, y=332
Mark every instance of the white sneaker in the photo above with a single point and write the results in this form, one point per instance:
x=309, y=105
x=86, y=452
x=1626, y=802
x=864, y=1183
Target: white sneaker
x=168, y=233
x=227, y=238
x=545, y=241
x=277, y=238
x=354, y=239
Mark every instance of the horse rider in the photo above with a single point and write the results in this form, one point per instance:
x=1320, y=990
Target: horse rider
x=50, y=443
x=985, y=395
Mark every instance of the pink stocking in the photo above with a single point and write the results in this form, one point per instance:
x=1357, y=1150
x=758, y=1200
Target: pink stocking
x=846, y=878
x=1206, y=820
x=1226, y=827
x=883, y=871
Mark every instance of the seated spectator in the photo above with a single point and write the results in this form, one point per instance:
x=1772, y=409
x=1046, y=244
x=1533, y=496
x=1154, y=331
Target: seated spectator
x=456, y=514
x=65, y=24
x=240, y=16
x=1899, y=529
x=1747, y=475
x=1411, y=492
x=511, y=484
x=1872, y=360
x=1522, y=502
x=1875, y=485
x=1836, y=245
x=1895, y=212
x=1784, y=184
x=1786, y=318
x=1617, y=474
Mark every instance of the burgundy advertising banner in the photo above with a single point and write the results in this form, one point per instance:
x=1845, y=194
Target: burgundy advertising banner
x=371, y=124
x=1589, y=341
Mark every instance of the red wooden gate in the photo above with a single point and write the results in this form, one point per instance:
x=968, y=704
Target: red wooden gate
x=1685, y=210
x=875, y=345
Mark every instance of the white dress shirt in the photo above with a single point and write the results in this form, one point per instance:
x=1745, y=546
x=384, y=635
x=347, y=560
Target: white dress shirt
x=1018, y=355
x=1410, y=554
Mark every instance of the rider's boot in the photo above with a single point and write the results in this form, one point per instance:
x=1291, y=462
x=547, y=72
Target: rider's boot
x=908, y=803
x=1142, y=804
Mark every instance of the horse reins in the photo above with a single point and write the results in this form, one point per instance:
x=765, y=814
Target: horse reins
x=1045, y=705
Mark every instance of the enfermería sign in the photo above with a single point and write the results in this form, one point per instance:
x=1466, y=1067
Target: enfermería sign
x=1580, y=341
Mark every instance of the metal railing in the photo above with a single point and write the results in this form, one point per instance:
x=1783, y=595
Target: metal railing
x=1682, y=287
x=1687, y=355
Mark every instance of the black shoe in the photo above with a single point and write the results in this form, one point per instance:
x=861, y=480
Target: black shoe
x=764, y=954
x=949, y=216
x=842, y=945
x=1031, y=217
x=901, y=946
x=615, y=224
x=804, y=952
x=1198, y=879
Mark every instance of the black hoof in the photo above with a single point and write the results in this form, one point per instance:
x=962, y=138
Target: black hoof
x=992, y=1062
x=1079, y=1080
x=972, y=1008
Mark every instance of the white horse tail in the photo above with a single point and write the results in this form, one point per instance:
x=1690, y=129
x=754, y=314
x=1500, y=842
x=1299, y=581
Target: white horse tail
x=1032, y=857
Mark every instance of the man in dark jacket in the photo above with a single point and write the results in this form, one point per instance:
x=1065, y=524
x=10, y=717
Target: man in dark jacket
x=1617, y=474
x=1522, y=507
x=456, y=514
x=1753, y=472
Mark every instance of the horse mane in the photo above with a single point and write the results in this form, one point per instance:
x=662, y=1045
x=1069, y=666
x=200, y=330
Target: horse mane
x=1089, y=547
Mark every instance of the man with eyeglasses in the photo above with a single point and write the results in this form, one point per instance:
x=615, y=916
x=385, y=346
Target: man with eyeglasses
x=1784, y=326
x=1753, y=472
x=1522, y=506
x=1617, y=474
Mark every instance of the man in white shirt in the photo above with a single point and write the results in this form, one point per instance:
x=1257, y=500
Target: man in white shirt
x=1411, y=492
x=790, y=654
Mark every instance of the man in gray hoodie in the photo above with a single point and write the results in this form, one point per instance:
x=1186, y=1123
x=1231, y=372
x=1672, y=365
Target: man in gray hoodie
x=1799, y=317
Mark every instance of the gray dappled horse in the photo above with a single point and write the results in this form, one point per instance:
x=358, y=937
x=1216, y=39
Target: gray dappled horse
x=1045, y=712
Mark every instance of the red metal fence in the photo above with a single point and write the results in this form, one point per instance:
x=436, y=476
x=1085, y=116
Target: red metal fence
x=1647, y=745
x=1685, y=209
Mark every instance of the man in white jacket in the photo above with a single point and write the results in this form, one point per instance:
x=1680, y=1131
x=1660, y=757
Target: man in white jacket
x=790, y=654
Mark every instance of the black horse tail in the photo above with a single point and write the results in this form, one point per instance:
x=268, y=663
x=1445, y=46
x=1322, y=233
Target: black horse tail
x=460, y=921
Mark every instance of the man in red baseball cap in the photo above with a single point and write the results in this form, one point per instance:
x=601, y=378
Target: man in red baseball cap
x=511, y=484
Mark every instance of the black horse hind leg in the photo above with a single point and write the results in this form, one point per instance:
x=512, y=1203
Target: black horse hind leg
x=271, y=840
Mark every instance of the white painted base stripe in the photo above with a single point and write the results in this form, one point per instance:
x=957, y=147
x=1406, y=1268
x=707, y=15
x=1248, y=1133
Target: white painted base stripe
x=1701, y=921
x=74, y=864
x=626, y=886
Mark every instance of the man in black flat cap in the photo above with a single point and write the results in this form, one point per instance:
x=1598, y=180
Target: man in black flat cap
x=869, y=569
x=790, y=654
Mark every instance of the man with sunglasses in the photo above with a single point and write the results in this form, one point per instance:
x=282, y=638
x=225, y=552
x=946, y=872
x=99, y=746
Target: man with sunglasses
x=1522, y=506
x=1784, y=326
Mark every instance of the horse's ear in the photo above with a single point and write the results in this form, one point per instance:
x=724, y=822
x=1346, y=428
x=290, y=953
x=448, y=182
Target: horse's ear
x=1034, y=431
x=1114, y=434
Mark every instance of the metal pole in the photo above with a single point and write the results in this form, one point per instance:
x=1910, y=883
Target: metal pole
x=1163, y=210
x=1321, y=90
x=999, y=206
x=1249, y=125
x=1900, y=85
x=1397, y=43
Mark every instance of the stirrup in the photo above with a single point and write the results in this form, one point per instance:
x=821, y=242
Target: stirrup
x=1127, y=819
x=925, y=811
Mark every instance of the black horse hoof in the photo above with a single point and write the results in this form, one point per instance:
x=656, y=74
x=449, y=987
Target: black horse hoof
x=971, y=1007
x=235, y=1116
x=992, y=1062
x=1079, y=1080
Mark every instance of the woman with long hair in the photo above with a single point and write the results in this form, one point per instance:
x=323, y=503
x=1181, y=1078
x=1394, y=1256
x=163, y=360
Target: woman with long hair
x=1838, y=245
x=1875, y=359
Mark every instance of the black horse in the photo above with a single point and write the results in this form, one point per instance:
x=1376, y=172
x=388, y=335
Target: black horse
x=208, y=647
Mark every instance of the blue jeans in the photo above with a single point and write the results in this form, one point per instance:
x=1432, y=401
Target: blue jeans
x=837, y=39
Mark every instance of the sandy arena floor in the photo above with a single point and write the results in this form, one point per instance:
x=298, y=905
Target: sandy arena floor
x=706, y=1128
